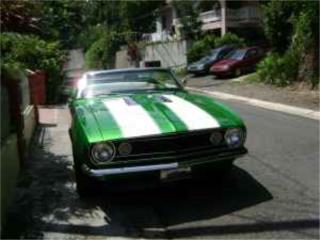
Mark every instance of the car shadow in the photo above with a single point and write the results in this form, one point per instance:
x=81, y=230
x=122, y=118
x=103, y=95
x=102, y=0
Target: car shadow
x=148, y=212
x=192, y=200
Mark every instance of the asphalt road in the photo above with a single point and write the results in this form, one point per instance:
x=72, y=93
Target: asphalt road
x=271, y=193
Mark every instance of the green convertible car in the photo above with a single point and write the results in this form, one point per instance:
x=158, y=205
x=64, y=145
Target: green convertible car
x=134, y=123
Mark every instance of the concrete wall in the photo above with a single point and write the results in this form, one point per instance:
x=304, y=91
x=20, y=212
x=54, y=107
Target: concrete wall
x=29, y=122
x=122, y=59
x=171, y=54
x=10, y=168
x=5, y=113
x=11, y=146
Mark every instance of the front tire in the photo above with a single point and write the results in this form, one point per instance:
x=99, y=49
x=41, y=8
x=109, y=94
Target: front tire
x=237, y=72
x=84, y=185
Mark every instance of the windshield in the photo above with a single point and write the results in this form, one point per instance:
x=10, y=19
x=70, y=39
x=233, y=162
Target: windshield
x=129, y=82
x=210, y=57
x=236, y=54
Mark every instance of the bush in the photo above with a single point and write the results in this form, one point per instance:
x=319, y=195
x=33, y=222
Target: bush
x=201, y=48
x=101, y=53
x=278, y=70
x=282, y=70
x=269, y=67
x=197, y=51
x=31, y=52
x=229, y=39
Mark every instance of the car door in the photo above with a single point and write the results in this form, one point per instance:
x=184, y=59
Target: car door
x=250, y=60
x=255, y=58
x=246, y=61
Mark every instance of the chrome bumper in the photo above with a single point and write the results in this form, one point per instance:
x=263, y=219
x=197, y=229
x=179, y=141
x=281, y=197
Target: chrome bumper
x=122, y=170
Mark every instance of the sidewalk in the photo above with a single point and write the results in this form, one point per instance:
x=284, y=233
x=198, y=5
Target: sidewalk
x=302, y=102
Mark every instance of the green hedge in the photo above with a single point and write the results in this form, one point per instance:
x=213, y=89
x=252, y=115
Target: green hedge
x=20, y=51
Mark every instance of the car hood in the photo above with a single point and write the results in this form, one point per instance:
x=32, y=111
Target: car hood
x=196, y=64
x=226, y=62
x=139, y=115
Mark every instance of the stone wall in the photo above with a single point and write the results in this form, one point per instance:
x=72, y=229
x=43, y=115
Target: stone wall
x=10, y=168
x=170, y=54
x=29, y=123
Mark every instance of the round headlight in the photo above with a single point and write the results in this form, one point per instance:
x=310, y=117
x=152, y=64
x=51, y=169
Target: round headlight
x=234, y=137
x=215, y=138
x=124, y=149
x=102, y=152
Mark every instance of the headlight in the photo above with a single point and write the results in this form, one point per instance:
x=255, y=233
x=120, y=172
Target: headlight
x=200, y=67
x=125, y=149
x=102, y=152
x=215, y=138
x=234, y=137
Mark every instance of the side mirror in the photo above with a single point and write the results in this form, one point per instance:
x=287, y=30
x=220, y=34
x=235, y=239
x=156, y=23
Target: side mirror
x=184, y=81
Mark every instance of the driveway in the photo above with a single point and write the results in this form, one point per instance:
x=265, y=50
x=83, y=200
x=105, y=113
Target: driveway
x=273, y=192
x=297, y=95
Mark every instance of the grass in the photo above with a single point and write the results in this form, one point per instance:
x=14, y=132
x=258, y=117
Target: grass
x=252, y=78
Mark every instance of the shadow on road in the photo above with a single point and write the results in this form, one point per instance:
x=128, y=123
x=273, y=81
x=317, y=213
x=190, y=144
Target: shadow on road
x=46, y=201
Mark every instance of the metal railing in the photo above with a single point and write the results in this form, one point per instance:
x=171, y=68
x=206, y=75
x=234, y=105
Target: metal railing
x=249, y=13
x=244, y=13
x=210, y=16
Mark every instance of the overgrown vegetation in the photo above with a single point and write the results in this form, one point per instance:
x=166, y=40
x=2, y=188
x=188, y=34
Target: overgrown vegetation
x=190, y=24
x=101, y=53
x=111, y=24
x=25, y=51
x=203, y=47
x=293, y=32
x=27, y=43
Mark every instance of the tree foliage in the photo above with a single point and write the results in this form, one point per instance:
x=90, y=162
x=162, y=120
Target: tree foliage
x=101, y=53
x=189, y=17
x=21, y=51
x=279, y=17
x=20, y=16
x=293, y=31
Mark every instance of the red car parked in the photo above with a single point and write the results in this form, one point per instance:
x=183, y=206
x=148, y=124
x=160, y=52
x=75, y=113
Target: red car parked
x=238, y=61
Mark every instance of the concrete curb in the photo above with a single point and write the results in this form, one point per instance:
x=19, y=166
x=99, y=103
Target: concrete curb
x=302, y=112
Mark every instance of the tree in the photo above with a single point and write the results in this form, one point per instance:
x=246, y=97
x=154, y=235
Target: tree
x=279, y=17
x=189, y=15
x=19, y=16
x=292, y=28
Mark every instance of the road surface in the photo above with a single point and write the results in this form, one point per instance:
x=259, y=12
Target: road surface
x=273, y=192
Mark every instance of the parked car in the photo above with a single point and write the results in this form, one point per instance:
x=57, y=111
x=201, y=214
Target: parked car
x=142, y=122
x=203, y=65
x=238, y=61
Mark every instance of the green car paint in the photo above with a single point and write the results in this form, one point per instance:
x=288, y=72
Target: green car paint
x=93, y=122
x=99, y=125
x=166, y=126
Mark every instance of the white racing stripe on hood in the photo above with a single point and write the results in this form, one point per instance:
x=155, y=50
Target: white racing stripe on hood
x=194, y=117
x=133, y=120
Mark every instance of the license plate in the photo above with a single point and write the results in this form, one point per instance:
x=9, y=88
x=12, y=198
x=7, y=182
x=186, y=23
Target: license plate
x=175, y=174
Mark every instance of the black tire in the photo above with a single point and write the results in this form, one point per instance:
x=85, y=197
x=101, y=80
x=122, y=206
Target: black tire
x=237, y=72
x=84, y=185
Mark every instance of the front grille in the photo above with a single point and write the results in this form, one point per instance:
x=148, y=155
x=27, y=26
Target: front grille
x=170, y=145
